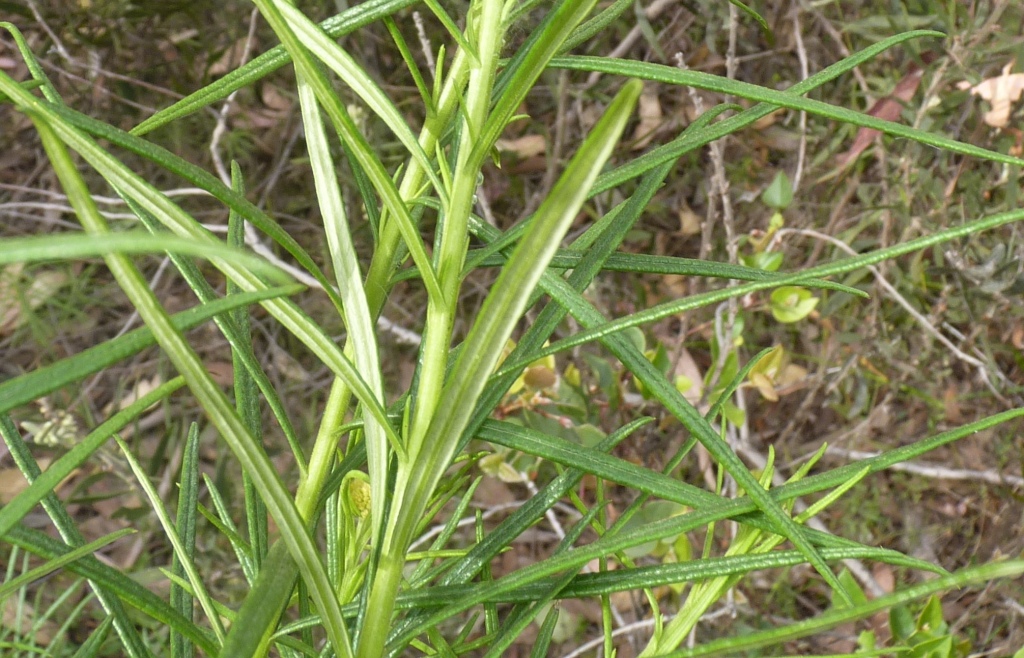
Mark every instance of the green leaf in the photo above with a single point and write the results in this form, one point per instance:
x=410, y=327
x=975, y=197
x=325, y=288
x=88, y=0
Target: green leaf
x=43, y=485
x=691, y=140
x=42, y=381
x=112, y=581
x=931, y=617
x=547, y=629
x=765, y=28
x=511, y=292
x=501, y=311
x=350, y=20
x=667, y=309
x=853, y=587
x=188, y=497
x=626, y=579
x=965, y=577
x=130, y=640
x=247, y=372
x=359, y=81
x=13, y=585
x=180, y=550
x=91, y=647
x=72, y=245
x=779, y=193
x=787, y=99
x=73, y=127
x=672, y=527
x=792, y=303
x=358, y=318
x=769, y=261
x=526, y=67
x=354, y=139
x=249, y=453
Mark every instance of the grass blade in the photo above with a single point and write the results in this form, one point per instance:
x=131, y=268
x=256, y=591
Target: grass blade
x=344, y=23
x=215, y=404
x=11, y=586
x=42, y=381
x=72, y=246
x=115, y=584
x=185, y=525
x=180, y=552
x=787, y=99
x=42, y=485
x=963, y=578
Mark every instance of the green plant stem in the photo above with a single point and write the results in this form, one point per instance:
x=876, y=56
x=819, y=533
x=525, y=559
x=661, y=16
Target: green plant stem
x=270, y=592
x=485, y=26
x=385, y=255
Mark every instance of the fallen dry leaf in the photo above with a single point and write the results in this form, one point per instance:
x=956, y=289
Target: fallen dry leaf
x=1002, y=92
x=887, y=109
x=231, y=59
x=690, y=223
x=141, y=387
x=23, y=619
x=222, y=372
x=687, y=367
x=885, y=577
x=523, y=147
x=649, y=111
x=45, y=284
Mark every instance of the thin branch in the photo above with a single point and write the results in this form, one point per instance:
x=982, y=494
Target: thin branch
x=933, y=471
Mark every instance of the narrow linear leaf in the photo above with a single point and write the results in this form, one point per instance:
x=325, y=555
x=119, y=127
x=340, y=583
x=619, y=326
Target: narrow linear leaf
x=68, y=123
x=215, y=404
x=249, y=377
x=350, y=285
x=10, y=587
x=241, y=346
x=788, y=99
x=129, y=183
x=510, y=293
x=353, y=137
x=842, y=266
x=42, y=381
x=44, y=484
x=963, y=578
x=188, y=498
x=344, y=23
x=194, y=579
x=691, y=140
x=65, y=525
x=71, y=246
x=622, y=580
x=526, y=67
x=339, y=61
x=111, y=580
x=91, y=647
